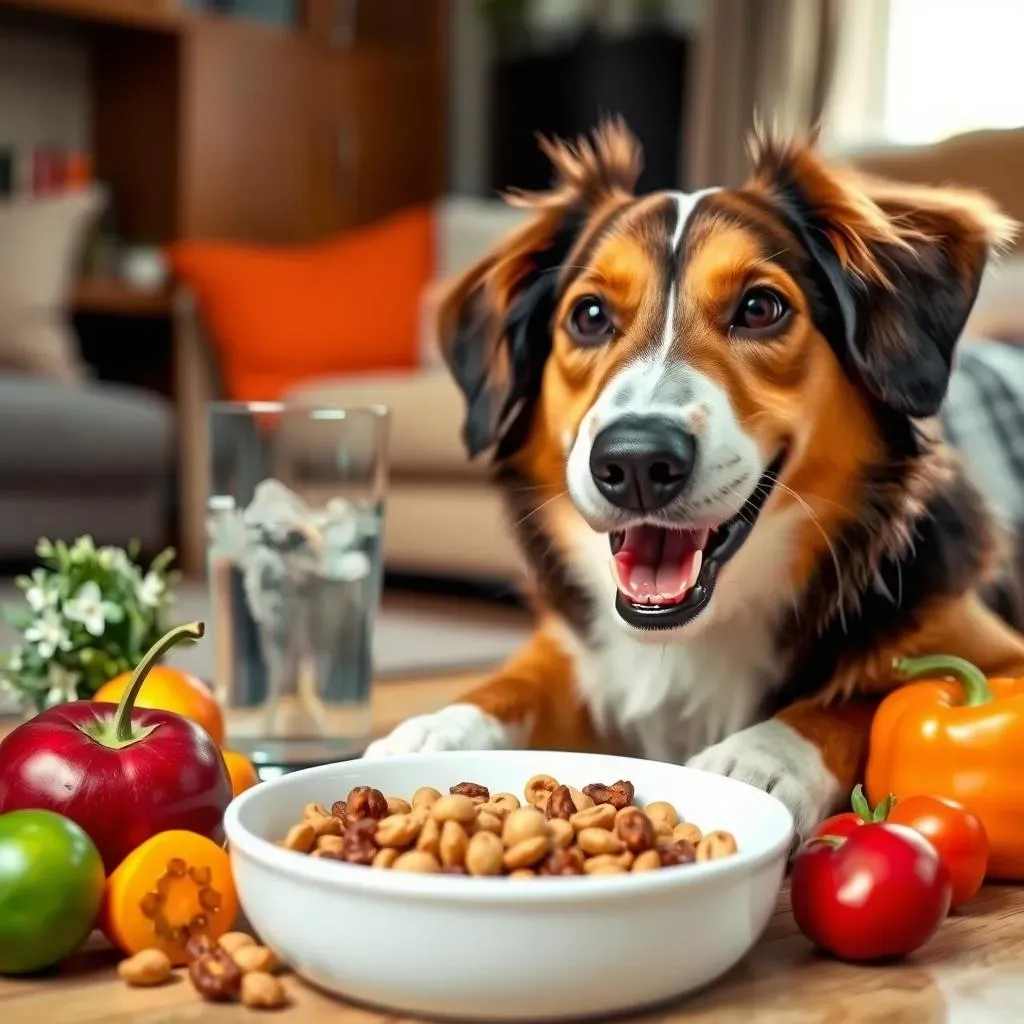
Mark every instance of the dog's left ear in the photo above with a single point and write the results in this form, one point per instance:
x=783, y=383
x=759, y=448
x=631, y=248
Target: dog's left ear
x=905, y=263
x=495, y=320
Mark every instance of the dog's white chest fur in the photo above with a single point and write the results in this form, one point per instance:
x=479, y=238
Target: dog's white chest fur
x=668, y=697
x=668, y=701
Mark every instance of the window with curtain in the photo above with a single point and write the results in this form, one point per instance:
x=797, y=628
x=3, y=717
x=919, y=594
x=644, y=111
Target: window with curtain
x=952, y=66
x=916, y=71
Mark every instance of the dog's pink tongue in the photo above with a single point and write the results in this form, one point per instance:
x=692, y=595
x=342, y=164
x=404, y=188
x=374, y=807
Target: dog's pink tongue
x=658, y=566
x=673, y=575
x=639, y=559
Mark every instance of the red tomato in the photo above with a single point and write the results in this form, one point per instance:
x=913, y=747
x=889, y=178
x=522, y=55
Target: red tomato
x=957, y=835
x=880, y=893
x=839, y=825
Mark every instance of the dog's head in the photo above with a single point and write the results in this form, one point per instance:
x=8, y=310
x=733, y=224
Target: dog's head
x=687, y=366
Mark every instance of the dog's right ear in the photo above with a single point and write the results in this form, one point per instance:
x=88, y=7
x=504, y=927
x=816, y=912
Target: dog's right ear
x=903, y=262
x=495, y=320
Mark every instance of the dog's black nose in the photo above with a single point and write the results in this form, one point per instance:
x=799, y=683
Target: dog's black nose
x=642, y=463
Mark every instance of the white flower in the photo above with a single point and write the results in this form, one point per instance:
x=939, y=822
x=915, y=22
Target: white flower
x=63, y=685
x=48, y=634
x=83, y=549
x=15, y=661
x=89, y=608
x=41, y=594
x=114, y=559
x=151, y=590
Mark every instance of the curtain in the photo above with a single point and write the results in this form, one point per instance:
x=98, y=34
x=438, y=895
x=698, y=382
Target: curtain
x=767, y=59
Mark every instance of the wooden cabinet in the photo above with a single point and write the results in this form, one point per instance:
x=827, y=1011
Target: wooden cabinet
x=395, y=24
x=377, y=136
x=286, y=139
x=216, y=127
x=244, y=155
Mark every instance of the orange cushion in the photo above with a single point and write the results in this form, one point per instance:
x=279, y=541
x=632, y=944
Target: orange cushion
x=282, y=315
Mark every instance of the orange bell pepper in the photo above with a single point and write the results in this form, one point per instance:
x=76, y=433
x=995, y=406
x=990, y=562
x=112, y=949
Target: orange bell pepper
x=956, y=735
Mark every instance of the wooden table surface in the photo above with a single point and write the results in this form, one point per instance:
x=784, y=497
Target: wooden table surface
x=972, y=972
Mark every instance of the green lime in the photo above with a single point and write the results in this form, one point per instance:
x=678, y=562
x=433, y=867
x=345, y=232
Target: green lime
x=51, y=885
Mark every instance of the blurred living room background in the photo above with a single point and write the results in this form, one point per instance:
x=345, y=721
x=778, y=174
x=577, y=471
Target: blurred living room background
x=258, y=200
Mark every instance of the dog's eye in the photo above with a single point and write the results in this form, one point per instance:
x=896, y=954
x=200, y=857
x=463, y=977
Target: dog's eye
x=759, y=310
x=589, y=322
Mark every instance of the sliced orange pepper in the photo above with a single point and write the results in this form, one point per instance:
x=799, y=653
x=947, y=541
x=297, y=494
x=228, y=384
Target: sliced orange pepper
x=174, y=886
x=957, y=735
x=242, y=771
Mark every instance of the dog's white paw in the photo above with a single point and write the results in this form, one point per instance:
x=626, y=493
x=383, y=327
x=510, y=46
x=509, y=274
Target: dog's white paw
x=777, y=759
x=456, y=727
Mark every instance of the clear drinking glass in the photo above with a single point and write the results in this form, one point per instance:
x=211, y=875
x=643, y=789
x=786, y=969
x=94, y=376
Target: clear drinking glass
x=295, y=519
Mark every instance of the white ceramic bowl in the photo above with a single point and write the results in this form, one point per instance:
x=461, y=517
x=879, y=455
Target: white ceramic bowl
x=493, y=949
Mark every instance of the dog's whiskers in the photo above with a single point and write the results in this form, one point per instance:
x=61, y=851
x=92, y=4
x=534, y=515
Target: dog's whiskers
x=530, y=487
x=816, y=497
x=533, y=512
x=809, y=512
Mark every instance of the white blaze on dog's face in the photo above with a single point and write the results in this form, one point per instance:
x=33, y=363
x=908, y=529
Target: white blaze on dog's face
x=688, y=367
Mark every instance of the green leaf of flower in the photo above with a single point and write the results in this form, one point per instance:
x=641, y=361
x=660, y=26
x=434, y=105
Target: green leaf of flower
x=19, y=618
x=163, y=560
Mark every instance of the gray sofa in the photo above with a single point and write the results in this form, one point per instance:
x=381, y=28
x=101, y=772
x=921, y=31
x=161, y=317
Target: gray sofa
x=90, y=458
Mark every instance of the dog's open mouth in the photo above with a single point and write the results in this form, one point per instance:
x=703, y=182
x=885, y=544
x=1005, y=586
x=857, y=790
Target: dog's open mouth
x=665, y=577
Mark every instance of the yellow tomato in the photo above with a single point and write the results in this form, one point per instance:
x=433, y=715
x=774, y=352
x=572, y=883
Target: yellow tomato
x=170, y=689
x=242, y=772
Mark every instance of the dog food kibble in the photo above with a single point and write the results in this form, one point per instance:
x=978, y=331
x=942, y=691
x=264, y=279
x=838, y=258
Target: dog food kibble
x=255, y=958
x=215, y=975
x=688, y=832
x=473, y=790
x=262, y=991
x=232, y=942
x=661, y=811
x=715, y=846
x=147, y=968
x=235, y=968
x=553, y=831
x=365, y=802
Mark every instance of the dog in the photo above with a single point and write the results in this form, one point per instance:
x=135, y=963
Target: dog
x=714, y=417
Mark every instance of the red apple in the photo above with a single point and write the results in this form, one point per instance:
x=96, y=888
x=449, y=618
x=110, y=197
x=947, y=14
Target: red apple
x=122, y=773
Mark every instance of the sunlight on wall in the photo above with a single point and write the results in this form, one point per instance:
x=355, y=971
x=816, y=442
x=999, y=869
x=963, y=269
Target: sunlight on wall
x=953, y=66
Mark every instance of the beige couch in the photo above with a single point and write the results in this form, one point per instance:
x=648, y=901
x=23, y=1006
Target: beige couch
x=444, y=519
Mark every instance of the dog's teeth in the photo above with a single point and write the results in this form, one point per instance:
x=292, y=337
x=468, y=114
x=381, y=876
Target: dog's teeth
x=698, y=561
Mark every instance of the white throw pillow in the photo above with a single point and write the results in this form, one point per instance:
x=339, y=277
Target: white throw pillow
x=40, y=240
